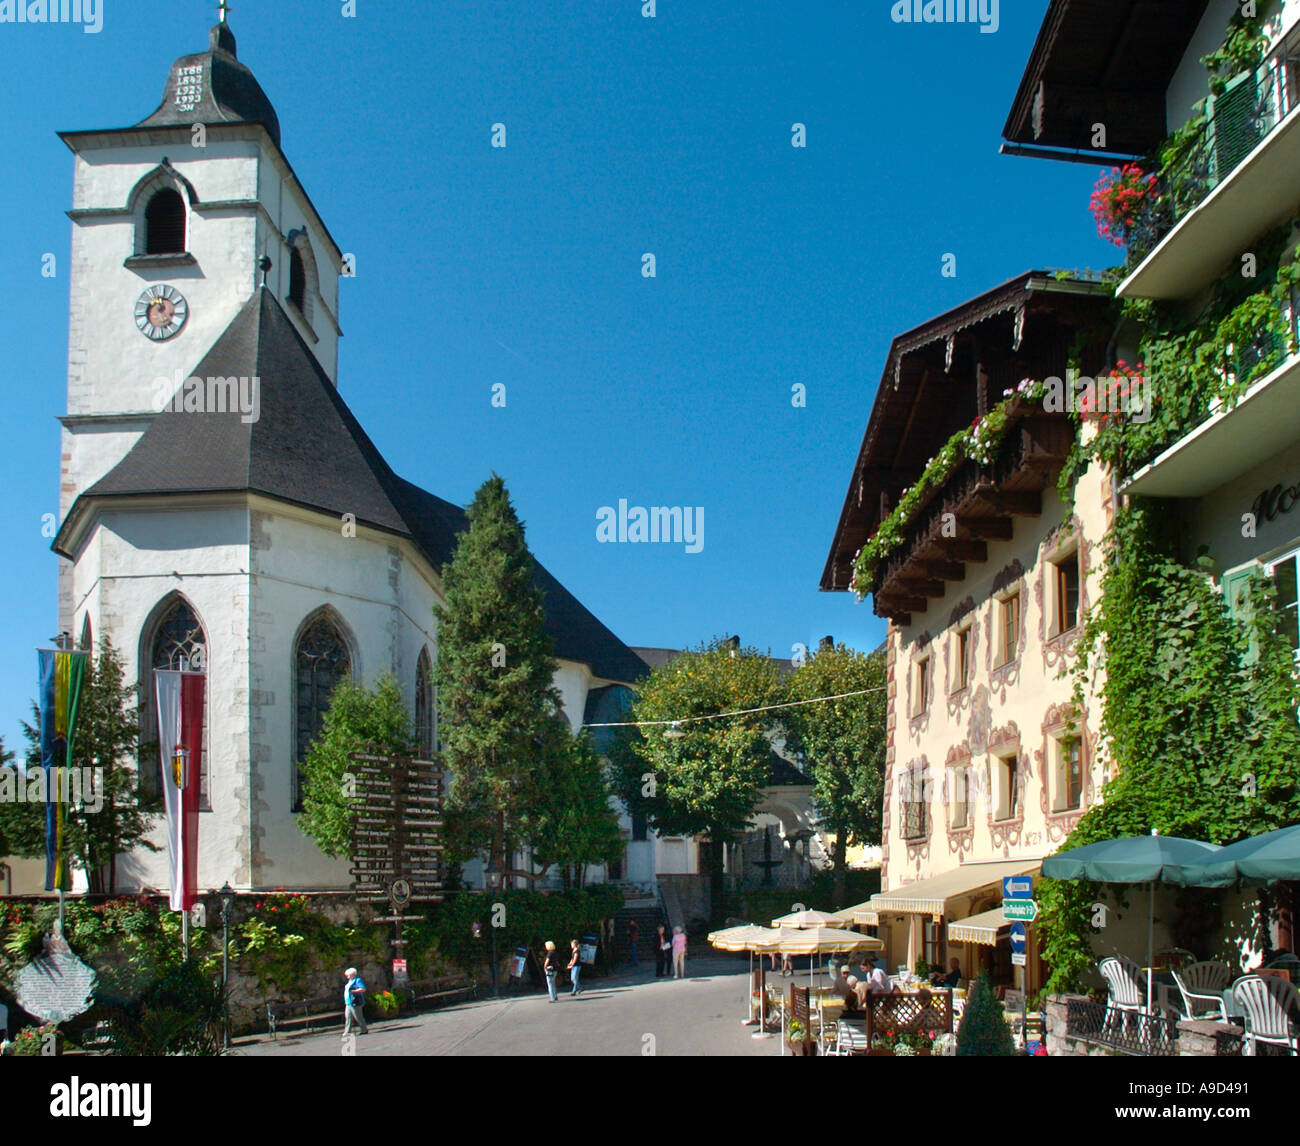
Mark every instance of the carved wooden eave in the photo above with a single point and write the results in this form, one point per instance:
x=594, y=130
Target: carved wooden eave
x=978, y=504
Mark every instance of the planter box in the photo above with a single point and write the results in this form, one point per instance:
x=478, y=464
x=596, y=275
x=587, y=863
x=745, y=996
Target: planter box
x=891, y=1054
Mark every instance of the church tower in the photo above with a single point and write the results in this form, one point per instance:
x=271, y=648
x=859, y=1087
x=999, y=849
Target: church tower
x=171, y=218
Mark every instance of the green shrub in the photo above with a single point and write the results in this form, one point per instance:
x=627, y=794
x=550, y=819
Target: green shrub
x=984, y=1031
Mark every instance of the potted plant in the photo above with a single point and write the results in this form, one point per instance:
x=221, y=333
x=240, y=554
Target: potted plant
x=1117, y=201
x=796, y=1038
x=385, y=1003
x=984, y=1030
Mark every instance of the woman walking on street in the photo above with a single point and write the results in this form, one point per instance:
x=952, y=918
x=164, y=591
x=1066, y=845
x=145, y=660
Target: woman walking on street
x=679, y=953
x=551, y=966
x=575, y=967
x=663, y=948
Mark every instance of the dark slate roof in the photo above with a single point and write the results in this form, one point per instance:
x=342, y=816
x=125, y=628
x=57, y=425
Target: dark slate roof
x=228, y=92
x=307, y=448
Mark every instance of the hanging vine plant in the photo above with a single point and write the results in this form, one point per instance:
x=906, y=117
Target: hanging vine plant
x=979, y=442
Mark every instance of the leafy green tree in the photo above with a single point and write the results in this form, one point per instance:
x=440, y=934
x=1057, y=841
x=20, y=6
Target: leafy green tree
x=984, y=1031
x=843, y=745
x=497, y=704
x=22, y=826
x=574, y=824
x=707, y=780
x=111, y=819
x=359, y=719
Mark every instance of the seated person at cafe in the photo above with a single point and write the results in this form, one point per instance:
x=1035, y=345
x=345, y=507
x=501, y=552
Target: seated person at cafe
x=878, y=982
x=949, y=980
x=842, y=980
x=854, y=995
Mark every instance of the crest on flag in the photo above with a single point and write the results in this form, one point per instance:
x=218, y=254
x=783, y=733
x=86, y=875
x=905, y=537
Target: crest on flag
x=180, y=742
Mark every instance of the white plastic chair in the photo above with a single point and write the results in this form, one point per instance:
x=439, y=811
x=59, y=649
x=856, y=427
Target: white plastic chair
x=850, y=1036
x=1125, y=995
x=1201, y=986
x=1268, y=1005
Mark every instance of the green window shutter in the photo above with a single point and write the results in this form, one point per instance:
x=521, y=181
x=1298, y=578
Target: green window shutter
x=1236, y=599
x=1235, y=125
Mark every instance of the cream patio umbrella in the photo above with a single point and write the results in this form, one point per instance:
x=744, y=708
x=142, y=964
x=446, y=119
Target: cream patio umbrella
x=748, y=937
x=819, y=940
x=805, y=919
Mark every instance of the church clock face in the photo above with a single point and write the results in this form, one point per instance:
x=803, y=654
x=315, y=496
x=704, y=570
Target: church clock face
x=160, y=312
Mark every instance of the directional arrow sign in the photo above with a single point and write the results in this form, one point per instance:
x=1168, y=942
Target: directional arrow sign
x=1017, y=887
x=1024, y=910
x=1018, y=938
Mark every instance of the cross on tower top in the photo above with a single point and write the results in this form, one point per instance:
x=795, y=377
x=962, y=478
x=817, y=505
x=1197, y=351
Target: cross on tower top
x=223, y=9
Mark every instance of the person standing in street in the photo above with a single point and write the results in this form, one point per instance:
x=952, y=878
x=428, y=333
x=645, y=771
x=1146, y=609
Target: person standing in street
x=663, y=948
x=551, y=968
x=354, y=1000
x=633, y=934
x=679, y=953
x=575, y=967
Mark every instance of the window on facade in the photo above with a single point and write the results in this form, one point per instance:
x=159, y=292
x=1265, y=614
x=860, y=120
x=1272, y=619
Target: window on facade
x=932, y=943
x=322, y=660
x=164, y=223
x=920, y=686
x=1007, y=786
x=1009, y=616
x=1285, y=581
x=915, y=811
x=638, y=829
x=1066, y=575
x=961, y=659
x=1071, y=774
x=297, y=280
x=177, y=643
x=958, y=778
x=425, y=718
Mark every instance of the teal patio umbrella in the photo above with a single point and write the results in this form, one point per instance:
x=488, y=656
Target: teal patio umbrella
x=1134, y=859
x=1257, y=860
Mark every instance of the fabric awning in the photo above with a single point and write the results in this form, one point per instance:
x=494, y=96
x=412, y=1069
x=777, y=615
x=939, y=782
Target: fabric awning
x=930, y=896
x=986, y=928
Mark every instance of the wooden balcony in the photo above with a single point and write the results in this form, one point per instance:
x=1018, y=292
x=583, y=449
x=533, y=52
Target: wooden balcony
x=984, y=502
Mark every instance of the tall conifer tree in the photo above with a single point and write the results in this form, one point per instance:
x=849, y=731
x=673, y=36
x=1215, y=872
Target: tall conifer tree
x=497, y=705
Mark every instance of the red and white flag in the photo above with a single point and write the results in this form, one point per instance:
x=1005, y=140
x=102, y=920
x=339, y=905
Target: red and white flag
x=180, y=745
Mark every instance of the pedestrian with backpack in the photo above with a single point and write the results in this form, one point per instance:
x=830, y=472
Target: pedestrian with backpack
x=354, y=1001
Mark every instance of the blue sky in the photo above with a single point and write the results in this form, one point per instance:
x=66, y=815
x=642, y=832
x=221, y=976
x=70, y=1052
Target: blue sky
x=522, y=265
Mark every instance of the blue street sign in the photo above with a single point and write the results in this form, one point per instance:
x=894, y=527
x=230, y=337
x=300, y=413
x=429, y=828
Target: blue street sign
x=1018, y=938
x=1017, y=887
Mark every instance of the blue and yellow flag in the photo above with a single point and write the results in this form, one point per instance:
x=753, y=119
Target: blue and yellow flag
x=61, y=676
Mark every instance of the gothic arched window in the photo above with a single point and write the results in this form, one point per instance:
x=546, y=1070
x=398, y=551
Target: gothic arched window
x=175, y=640
x=322, y=659
x=164, y=222
x=426, y=719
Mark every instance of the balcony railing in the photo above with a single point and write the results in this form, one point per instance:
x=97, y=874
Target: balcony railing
x=1239, y=120
x=982, y=501
x=1132, y=1032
